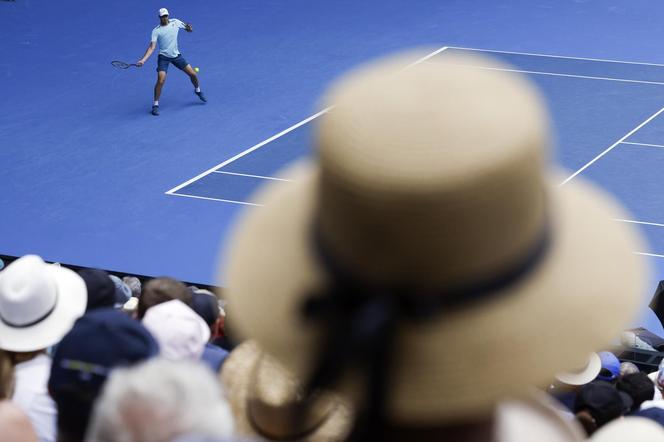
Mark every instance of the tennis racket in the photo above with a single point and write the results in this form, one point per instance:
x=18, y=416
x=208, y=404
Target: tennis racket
x=122, y=65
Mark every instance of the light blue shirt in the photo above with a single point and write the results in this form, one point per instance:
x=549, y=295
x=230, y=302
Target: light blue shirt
x=167, y=37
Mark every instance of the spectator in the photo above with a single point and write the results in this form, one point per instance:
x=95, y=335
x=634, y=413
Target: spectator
x=122, y=292
x=638, y=386
x=159, y=401
x=6, y=376
x=628, y=368
x=259, y=388
x=610, y=367
x=598, y=403
x=14, y=424
x=134, y=285
x=180, y=332
x=427, y=263
x=99, y=342
x=38, y=305
x=205, y=303
x=160, y=290
x=102, y=291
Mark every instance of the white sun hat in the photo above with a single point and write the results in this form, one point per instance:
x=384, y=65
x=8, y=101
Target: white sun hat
x=180, y=331
x=436, y=178
x=162, y=12
x=632, y=429
x=585, y=374
x=39, y=303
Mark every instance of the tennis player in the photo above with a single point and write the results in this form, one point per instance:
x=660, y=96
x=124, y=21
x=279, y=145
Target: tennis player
x=166, y=35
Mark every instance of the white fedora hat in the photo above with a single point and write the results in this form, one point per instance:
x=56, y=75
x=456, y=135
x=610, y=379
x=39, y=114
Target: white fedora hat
x=585, y=374
x=436, y=179
x=38, y=303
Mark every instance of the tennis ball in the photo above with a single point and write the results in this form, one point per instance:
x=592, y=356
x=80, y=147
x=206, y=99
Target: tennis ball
x=196, y=69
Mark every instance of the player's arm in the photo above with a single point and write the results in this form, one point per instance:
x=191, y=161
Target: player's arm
x=186, y=26
x=148, y=52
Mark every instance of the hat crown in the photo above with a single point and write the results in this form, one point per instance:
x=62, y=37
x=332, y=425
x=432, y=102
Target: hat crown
x=432, y=174
x=27, y=292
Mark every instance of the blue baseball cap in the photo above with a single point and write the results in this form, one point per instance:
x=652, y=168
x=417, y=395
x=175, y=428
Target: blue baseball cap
x=99, y=341
x=610, y=366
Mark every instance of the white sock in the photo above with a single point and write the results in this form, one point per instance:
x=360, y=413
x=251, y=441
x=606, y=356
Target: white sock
x=198, y=89
x=156, y=103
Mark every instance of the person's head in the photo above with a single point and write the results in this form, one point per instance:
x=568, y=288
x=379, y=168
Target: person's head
x=163, y=16
x=206, y=304
x=426, y=262
x=15, y=424
x=180, y=332
x=610, y=367
x=628, y=368
x=100, y=287
x=122, y=292
x=99, y=342
x=601, y=402
x=38, y=304
x=160, y=290
x=638, y=385
x=161, y=400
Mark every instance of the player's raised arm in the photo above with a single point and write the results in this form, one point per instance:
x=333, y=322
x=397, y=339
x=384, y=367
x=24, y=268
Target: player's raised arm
x=186, y=26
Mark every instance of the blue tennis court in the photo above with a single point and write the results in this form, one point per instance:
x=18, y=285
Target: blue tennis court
x=92, y=179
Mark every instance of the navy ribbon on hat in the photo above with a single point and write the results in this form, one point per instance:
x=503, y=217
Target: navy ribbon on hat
x=36, y=321
x=360, y=319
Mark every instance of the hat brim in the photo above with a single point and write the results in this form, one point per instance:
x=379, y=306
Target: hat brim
x=239, y=376
x=589, y=373
x=71, y=302
x=576, y=301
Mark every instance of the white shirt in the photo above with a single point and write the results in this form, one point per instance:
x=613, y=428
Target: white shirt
x=31, y=395
x=167, y=37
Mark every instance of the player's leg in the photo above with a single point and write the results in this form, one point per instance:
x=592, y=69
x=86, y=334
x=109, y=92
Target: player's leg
x=182, y=64
x=162, y=69
x=161, y=79
x=193, y=77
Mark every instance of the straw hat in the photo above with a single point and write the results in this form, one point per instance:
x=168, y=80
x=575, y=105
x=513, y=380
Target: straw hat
x=433, y=178
x=38, y=303
x=260, y=392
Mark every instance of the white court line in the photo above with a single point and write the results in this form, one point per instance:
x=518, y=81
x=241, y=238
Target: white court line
x=251, y=176
x=533, y=54
x=213, y=199
x=610, y=148
x=638, y=222
x=245, y=152
x=642, y=144
x=554, y=74
x=649, y=254
x=274, y=137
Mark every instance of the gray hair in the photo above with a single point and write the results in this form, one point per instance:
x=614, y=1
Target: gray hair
x=158, y=401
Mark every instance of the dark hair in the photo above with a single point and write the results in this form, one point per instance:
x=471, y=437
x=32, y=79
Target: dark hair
x=638, y=386
x=160, y=290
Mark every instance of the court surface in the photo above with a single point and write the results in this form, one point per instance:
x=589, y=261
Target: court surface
x=91, y=178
